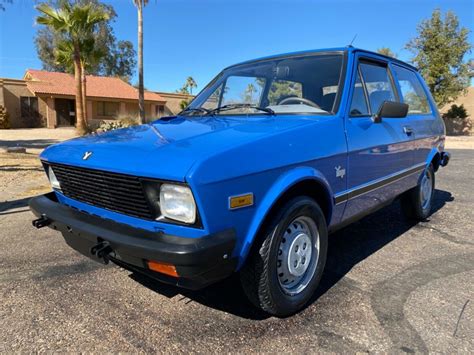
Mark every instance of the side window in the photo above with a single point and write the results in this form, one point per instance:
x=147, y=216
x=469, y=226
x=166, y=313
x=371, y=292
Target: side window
x=359, y=104
x=412, y=91
x=378, y=84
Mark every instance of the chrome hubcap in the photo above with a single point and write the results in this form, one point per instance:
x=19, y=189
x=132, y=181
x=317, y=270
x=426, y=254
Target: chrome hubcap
x=426, y=190
x=298, y=255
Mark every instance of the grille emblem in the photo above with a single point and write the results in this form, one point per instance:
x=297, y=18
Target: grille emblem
x=86, y=155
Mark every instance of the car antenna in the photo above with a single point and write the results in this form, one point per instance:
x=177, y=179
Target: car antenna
x=353, y=39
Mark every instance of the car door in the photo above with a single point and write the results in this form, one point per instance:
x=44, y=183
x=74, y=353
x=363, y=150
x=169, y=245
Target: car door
x=378, y=153
x=421, y=119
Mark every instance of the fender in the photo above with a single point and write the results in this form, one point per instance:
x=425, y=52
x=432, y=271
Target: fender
x=281, y=185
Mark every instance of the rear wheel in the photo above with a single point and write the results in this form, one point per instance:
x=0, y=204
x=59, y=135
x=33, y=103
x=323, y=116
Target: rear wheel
x=417, y=203
x=288, y=258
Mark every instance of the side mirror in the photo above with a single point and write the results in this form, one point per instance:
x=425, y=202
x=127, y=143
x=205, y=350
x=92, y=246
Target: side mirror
x=391, y=109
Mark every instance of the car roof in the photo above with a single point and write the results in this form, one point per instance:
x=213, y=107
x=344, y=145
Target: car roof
x=346, y=49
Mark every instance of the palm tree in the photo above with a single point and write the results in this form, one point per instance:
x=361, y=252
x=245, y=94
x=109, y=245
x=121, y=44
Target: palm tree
x=190, y=84
x=90, y=56
x=77, y=23
x=141, y=90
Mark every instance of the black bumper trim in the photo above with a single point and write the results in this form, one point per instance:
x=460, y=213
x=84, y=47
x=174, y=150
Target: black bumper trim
x=198, y=261
x=444, y=160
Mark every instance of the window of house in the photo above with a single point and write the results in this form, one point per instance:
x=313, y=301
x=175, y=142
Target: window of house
x=159, y=110
x=412, y=91
x=107, y=108
x=28, y=106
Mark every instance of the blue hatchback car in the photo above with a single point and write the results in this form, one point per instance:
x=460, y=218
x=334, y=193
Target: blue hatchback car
x=265, y=162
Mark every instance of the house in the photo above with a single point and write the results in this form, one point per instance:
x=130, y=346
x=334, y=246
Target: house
x=173, y=101
x=47, y=99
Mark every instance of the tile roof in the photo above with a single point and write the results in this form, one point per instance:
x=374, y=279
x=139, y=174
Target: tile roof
x=53, y=83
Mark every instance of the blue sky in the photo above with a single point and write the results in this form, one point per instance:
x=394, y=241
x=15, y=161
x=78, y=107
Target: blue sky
x=200, y=37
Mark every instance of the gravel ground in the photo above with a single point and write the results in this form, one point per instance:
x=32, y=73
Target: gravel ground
x=389, y=286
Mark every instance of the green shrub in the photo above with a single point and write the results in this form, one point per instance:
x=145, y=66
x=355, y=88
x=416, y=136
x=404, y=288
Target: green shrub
x=457, y=121
x=184, y=103
x=4, y=118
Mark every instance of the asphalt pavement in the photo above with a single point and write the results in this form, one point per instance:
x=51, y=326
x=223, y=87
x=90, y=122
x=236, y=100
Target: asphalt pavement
x=390, y=285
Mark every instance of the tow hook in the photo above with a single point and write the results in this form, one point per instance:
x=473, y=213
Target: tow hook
x=41, y=222
x=102, y=251
x=445, y=156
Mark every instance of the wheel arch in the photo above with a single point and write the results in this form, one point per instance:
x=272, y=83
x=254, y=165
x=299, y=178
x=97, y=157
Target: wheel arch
x=434, y=158
x=302, y=181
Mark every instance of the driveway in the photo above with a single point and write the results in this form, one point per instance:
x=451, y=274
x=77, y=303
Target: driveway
x=390, y=285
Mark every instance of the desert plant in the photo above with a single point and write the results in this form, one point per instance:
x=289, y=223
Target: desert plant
x=4, y=118
x=184, y=103
x=457, y=120
x=105, y=126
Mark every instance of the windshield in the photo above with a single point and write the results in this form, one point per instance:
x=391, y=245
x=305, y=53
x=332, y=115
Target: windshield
x=291, y=85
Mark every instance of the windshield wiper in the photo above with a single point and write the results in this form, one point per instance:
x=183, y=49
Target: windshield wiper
x=234, y=106
x=195, y=109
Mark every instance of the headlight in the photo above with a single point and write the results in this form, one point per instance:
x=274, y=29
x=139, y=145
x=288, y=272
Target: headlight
x=177, y=202
x=53, y=179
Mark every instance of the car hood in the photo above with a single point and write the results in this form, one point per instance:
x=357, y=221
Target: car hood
x=168, y=148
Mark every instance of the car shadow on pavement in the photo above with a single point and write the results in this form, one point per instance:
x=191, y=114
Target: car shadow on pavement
x=347, y=248
x=29, y=143
x=10, y=205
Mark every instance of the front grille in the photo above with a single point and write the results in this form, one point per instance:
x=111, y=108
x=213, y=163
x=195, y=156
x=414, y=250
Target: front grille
x=115, y=192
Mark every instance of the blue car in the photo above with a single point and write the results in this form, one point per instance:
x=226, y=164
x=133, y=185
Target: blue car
x=267, y=160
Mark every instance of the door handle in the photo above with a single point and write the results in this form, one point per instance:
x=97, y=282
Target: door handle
x=408, y=130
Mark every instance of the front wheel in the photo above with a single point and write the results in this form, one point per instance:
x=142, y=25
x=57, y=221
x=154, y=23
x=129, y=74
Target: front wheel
x=417, y=202
x=287, y=261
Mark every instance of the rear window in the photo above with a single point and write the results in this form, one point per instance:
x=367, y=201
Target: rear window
x=412, y=91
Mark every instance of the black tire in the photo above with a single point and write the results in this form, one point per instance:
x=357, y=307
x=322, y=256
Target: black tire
x=412, y=200
x=259, y=276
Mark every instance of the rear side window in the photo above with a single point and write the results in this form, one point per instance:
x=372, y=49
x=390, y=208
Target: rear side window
x=378, y=84
x=412, y=91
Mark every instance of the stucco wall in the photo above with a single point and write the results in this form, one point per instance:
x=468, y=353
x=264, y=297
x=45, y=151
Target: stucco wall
x=173, y=101
x=11, y=90
x=467, y=100
x=130, y=110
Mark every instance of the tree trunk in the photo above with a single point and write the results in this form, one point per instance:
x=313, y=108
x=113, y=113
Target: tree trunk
x=80, y=121
x=84, y=96
x=141, y=94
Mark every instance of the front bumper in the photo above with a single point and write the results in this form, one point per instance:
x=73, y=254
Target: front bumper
x=198, y=261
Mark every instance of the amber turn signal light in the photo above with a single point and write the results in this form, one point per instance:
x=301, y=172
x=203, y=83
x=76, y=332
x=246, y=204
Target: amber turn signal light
x=164, y=268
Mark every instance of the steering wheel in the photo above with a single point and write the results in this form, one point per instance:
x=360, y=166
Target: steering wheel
x=300, y=100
